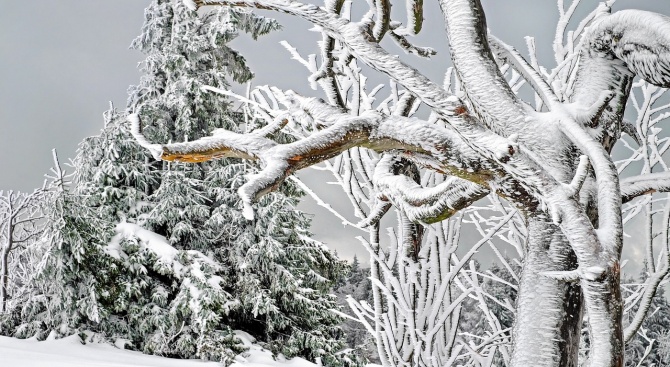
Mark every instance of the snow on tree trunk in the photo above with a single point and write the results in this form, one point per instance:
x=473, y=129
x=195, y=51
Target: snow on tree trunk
x=4, y=278
x=551, y=309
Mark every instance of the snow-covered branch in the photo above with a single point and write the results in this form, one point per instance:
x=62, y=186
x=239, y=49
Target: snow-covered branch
x=424, y=204
x=640, y=39
x=614, y=49
x=222, y=144
x=632, y=187
x=484, y=86
x=513, y=57
x=370, y=130
x=355, y=39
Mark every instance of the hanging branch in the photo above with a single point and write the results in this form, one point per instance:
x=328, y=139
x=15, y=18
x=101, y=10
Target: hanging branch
x=421, y=204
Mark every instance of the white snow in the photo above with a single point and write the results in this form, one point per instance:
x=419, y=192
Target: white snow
x=158, y=244
x=155, y=243
x=191, y=4
x=70, y=352
x=259, y=357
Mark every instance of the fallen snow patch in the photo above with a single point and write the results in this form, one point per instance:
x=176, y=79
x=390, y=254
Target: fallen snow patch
x=70, y=352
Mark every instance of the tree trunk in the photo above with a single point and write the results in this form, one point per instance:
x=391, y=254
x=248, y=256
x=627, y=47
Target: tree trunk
x=549, y=311
x=4, y=279
x=605, y=299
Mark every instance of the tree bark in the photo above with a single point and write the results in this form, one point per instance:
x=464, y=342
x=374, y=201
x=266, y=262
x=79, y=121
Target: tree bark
x=4, y=279
x=549, y=311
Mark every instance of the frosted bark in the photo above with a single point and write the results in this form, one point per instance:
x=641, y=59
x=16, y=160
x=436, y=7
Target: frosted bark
x=484, y=86
x=632, y=187
x=555, y=341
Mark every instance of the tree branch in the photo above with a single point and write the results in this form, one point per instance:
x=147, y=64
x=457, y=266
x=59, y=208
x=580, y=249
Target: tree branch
x=486, y=89
x=360, y=45
x=421, y=204
x=222, y=144
x=635, y=186
x=616, y=47
x=371, y=130
x=514, y=58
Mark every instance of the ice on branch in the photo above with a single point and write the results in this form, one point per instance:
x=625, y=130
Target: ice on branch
x=632, y=187
x=339, y=132
x=639, y=38
x=423, y=204
x=580, y=176
x=191, y=4
x=135, y=128
x=591, y=273
x=221, y=144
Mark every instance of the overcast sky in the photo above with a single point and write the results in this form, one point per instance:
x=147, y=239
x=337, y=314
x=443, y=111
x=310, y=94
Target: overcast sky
x=64, y=60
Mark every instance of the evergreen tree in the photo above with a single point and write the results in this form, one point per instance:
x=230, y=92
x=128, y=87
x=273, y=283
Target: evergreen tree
x=279, y=276
x=269, y=264
x=655, y=327
x=358, y=286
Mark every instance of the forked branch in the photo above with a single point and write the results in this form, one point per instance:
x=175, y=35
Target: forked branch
x=371, y=130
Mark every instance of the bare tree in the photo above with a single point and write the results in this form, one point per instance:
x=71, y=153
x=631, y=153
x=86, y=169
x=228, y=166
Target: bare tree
x=549, y=158
x=21, y=222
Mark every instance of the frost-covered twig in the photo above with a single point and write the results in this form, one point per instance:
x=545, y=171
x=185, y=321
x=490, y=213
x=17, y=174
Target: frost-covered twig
x=634, y=186
x=406, y=45
x=580, y=176
x=322, y=203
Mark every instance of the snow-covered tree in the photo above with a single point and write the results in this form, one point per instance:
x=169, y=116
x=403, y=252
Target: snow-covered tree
x=185, y=52
x=281, y=276
x=275, y=274
x=21, y=225
x=63, y=294
x=357, y=285
x=549, y=156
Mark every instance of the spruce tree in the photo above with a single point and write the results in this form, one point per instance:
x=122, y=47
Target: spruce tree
x=278, y=275
x=358, y=286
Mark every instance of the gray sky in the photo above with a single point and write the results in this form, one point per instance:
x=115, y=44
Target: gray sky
x=64, y=60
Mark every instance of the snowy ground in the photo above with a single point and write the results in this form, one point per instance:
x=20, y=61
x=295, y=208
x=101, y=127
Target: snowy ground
x=70, y=352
